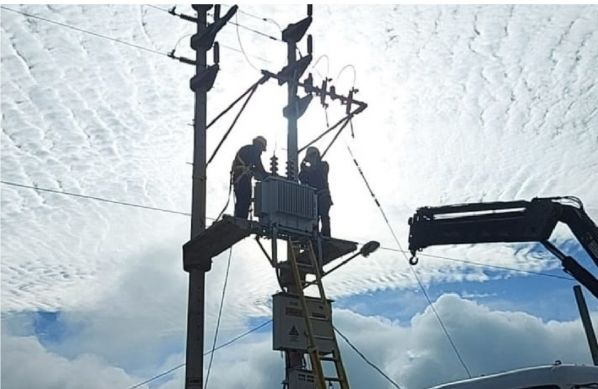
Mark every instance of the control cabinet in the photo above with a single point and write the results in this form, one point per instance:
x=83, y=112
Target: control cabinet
x=289, y=331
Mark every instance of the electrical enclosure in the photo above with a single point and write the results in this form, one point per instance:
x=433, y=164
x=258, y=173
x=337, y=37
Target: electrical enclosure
x=289, y=331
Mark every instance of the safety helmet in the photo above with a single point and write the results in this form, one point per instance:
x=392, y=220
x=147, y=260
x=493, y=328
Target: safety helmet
x=261, y=141
x=312, y=150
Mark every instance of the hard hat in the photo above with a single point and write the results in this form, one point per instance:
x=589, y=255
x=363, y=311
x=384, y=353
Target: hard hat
x=312, y=150
x=260, y=140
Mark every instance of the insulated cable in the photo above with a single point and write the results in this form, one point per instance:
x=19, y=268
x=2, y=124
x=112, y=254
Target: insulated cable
x=225, y=344
x=249, y=90
x=241, y=44
x=230, y=254
x=85, y=31
x=226, y=134
x=362, y=356
x=469, y=262
x=37, y=188
x=419, y=282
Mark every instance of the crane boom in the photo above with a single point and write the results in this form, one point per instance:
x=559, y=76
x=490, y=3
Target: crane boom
x=510, y=221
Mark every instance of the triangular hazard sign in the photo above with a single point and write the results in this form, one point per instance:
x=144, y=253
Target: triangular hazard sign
x=293, y=331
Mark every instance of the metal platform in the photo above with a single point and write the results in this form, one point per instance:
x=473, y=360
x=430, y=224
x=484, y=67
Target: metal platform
x=228, y=231
x=217, y=238
x=332, y=249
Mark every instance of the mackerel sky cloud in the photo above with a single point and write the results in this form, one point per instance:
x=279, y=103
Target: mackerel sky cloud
x=465, y=103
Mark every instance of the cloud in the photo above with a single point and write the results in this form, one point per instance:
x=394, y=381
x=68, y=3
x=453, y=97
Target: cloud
x=465, y=103
x=415, y=352
x=27, y=364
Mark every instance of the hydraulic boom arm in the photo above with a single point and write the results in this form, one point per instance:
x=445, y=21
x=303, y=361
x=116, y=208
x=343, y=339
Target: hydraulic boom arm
x=511, y=221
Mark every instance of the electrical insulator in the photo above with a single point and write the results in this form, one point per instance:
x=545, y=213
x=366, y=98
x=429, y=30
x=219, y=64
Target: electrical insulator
x=274, y=165
x=290, y=170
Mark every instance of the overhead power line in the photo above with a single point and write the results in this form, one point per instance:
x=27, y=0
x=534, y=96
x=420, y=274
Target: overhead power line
x=94, y=198
x=362, y=356
x=469, y=262
x=98, y=35
x=419, y=282
x=158, y=8
x=481, y=264
x=264, y=19
x=223, y=345
x=230, y=254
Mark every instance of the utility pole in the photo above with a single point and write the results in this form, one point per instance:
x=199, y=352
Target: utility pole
x=197, y=275
x=200, y=84
x=291, y=35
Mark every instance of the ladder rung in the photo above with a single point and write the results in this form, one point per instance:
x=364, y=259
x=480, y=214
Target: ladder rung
x=333, y=379
x=318, y=318
x=329, y=359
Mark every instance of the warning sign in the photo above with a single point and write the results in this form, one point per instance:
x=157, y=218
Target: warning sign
x=293, y=335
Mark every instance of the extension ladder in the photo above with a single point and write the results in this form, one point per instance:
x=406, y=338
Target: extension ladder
x=317, y=357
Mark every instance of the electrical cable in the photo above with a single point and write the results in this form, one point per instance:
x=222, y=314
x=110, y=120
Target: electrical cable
x=85, y=31
x=469, y=262
x=241, y=44
x=230, y=254
x=327, y=65
x=252, y=87
x=223, y=345
x=480, y=264
x=340, y=130
x=158, y=8
x=267, y=20
x=255, y=31
x=366, y=359
x=419, y=282
x=157, y=376
x=94, y=198
x=343, y=69
x=326, y=132
x=227, y=133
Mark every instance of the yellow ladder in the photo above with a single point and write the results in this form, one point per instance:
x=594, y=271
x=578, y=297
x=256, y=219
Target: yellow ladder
x=316, y=357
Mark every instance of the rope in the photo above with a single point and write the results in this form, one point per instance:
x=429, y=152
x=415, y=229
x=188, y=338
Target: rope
x=421, y=286
x=366, y=359
x=233, y=123
x=230, y=190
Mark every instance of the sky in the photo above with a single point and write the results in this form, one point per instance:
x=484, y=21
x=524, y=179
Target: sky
x=465, y=104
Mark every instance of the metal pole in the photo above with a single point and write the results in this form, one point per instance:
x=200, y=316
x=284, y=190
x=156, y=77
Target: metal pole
x=587, y=323
x=195, y=304
x=292, y=156
x=294, y=359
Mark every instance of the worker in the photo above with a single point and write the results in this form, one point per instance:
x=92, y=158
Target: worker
x=247, y=164
x=314, y=172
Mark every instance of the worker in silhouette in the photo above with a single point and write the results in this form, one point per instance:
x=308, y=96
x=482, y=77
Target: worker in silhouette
x=247, y=164
x=314, y=172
